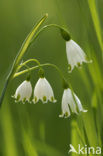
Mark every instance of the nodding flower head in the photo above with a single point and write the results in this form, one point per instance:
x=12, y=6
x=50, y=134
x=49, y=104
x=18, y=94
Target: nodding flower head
x=23, y=92
x=75, y=55
x=43, y=91
x=70, y=103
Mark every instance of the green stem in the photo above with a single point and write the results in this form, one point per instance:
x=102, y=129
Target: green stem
x=48, y=26
x=30, y=60
x=36, y=67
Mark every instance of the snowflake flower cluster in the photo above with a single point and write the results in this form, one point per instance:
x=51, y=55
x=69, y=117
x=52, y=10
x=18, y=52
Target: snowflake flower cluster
x=44, y=92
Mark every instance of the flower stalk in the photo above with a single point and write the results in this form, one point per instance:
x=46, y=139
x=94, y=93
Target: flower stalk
x=64, y=32
x=38, y=66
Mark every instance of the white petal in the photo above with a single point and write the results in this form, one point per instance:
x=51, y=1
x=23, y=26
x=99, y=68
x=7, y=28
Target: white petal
x=43, y=91
x=80, y=107
x=24, y=91
x=70, y=100
x=65, y=107
x=75, y=54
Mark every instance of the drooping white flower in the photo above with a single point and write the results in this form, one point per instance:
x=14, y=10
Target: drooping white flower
x=70, y=103
x=75, y=55
x=43, y=91
x=23, y=92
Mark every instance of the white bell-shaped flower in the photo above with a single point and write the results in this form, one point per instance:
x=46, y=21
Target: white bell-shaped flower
x=75, y=55
x=23, y=92
x=70, y=103
x=43, y=91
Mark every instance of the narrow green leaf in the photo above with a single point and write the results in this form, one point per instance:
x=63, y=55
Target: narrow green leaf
x=95, y=18
x=27, y=41
x=20, y=54
x=6, y=122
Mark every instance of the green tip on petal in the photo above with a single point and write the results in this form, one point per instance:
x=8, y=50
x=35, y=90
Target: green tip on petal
x=88, y=60
x=44, y=99
x=24, y=100
x=35, y=99
x=18, y=98
x=52, y=99
x=66, y=114
x=69, y=67
x=79, y=65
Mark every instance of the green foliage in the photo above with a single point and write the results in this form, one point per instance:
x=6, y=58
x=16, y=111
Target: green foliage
x=36, y=130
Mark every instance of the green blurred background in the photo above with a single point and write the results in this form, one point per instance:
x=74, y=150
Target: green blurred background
x=36, y=130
